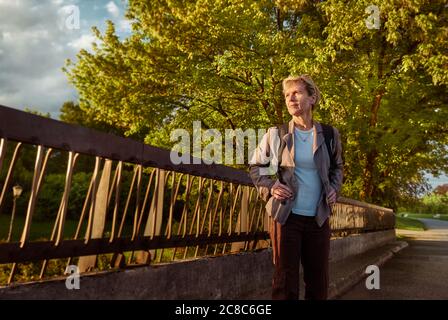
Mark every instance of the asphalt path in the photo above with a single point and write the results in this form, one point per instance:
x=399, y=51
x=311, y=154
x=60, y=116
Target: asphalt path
x=419, y=271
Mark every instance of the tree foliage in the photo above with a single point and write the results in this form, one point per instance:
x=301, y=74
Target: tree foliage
x=222, y=62
x=441, y=189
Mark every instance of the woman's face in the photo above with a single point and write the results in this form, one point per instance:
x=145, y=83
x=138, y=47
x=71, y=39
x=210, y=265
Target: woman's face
x=297, y=99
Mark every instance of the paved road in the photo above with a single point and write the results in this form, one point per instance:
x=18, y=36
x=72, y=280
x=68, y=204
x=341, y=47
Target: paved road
x=417, y=272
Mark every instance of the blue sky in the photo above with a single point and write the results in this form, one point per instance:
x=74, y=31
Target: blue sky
x=34, y=44
x=437, y=181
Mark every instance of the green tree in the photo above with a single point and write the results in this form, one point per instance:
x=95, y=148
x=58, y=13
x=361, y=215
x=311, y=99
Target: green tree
x=74, y=114
x=441, y=189
x=222, y=62
x=38, y=113
x=386, y=92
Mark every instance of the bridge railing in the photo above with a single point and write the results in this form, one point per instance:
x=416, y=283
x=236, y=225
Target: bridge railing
x=121, y=202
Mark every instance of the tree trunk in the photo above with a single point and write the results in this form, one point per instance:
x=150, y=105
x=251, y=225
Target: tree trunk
x=279, y=112
x=368, y=185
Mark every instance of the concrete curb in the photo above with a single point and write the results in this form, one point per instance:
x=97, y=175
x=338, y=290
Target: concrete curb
x=341, y=285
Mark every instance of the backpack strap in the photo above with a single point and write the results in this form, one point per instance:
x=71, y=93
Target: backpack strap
x=329, y=141
x=281, y=130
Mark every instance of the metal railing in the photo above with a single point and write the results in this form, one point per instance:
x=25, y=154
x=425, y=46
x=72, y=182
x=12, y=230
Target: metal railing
x=138, y=207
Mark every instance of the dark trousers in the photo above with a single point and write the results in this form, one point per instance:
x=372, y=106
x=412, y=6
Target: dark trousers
x=300, y=240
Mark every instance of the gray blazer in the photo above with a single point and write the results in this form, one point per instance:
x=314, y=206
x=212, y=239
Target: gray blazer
x=267, y=151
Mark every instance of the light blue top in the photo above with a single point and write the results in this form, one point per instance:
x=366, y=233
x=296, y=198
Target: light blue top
x=310, y=184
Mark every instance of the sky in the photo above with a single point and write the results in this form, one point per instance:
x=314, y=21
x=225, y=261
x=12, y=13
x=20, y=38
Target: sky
x=434, y=182
x=36, y=38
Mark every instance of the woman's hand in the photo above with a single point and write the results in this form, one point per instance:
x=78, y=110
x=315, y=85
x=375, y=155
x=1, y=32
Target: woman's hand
x=332, y=197
x=281, y=191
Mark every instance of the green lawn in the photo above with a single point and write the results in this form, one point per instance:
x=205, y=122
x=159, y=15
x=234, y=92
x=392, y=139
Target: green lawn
x=423, y=215
x=39, y=229
x=409, y=224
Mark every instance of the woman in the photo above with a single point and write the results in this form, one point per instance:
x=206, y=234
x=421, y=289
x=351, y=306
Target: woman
x=300, y=199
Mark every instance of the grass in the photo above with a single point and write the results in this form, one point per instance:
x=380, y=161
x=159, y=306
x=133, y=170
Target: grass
x=39, y=229
x=409, y=224
x=423, y=216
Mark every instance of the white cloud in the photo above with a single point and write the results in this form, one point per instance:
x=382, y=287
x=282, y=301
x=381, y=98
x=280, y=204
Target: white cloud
x=67, y=2
x=33, y=49
x=113, y=9
x=9, y=3
x=83, y=42
x=41, y=93
x=124, y=26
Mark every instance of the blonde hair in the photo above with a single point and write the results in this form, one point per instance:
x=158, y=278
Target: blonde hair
x=309, y=84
